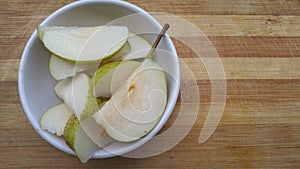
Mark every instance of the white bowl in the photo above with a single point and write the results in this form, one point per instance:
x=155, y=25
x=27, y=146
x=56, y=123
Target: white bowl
x=36, y=85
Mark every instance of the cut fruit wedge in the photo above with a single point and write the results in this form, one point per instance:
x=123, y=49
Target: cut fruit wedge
x=76, y=92
x=85, y=44
x=61, y=69
x=139, y=47
x=41, y=29
x=117, y=72
x=117, y=57
x=136, y=107
x=77, y=139
x=55, y=119
x=95, y=132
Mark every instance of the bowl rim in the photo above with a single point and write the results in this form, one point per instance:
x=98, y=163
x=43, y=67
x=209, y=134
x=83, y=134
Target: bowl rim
x=138, y=143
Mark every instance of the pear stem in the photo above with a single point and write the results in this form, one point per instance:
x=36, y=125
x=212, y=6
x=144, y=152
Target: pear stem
x=161, y=34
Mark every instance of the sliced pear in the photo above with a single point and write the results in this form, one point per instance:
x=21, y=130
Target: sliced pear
x=90, y=44
x=139, y=47
x=77, y=139
x=96, y=132
x=41, y=29
x=136, y=107
x=76, y=92
x=116, y=57
x=55, y=119
x=85, y=137
x=102, y=79
x=61, y=69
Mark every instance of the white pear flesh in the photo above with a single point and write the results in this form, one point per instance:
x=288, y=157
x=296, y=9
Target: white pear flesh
x=77, y=139
x=41, y=29
x=55, y=118
x=136, y=107
x=80, y=44
x=117, y=72
x=116, y=57
x=139, y=47
x=96, y=132
x=61, y=69
x=76, y=92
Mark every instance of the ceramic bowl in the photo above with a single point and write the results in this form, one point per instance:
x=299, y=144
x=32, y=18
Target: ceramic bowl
x=36, y=84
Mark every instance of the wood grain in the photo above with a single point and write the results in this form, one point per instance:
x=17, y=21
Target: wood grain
x=234, y=68
x=219, y=7
x=258, y=43
x=238, y=25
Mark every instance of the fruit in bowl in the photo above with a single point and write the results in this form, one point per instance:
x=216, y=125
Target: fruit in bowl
x=74, y=80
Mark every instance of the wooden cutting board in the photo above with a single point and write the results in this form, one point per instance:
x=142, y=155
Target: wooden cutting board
x=258, y=43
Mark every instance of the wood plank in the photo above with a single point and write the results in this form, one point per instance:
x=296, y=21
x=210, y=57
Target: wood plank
x=246, y=157
x=268, y=31
x=9, y=92
x=243, y=96
x=246, y=145
x=232, y=159
x=257, y=46
x=235, y=68
x=15, y=8
x=220, y=7
x=247, y=68
x=233, y=25
x=241, y=46
x=248, y=102
x=13, y=117
x=9, y=69
x=228, y=46
x=14, y=37
x=20, y=19
x=232, y=142
x=260, y=115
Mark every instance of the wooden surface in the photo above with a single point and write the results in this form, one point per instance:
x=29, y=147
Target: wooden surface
x=259, y=45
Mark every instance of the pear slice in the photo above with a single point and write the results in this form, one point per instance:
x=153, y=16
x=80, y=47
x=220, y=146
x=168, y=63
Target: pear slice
x=119, y=71
x=76, y=92
x=90, y=44
x=95, y=132
x=55, y=118
x=116, y=57
x=85, y=137
x=41, y=29
x=61, y=69
x=136, y=107
x=139, y=47
x=77, y=139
